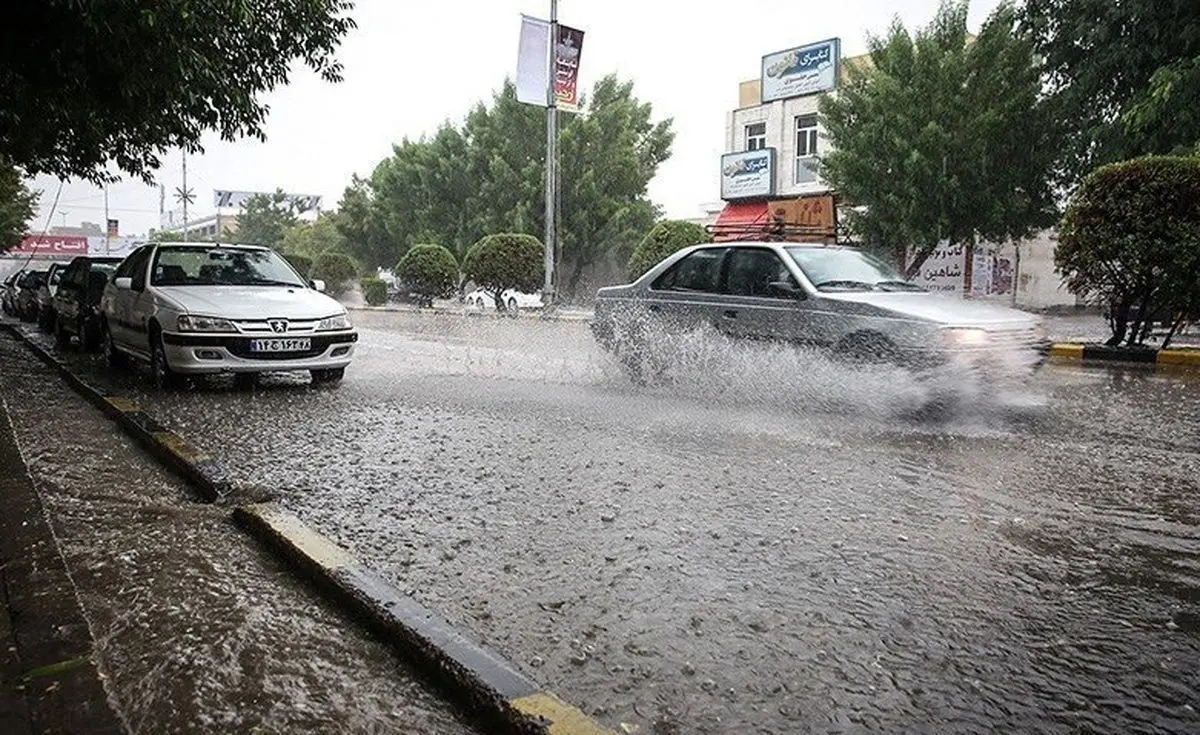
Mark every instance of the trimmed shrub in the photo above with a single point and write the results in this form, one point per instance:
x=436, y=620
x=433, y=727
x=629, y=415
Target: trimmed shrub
x=503, y=261
x=1130, y=239
x=374, y=290
x=664, y=239
x=337, y=270
x=301, y=263
x=428, y=272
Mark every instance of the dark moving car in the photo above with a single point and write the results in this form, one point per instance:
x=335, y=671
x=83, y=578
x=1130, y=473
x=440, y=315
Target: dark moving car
x=77, y=301
x=45, y=296
x=27, y=290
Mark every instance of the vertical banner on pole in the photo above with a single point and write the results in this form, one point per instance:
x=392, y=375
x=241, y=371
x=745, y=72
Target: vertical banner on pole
x=532, y=61
x=567, y=48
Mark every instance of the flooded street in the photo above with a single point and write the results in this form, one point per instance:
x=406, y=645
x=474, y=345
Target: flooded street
x=762, y=544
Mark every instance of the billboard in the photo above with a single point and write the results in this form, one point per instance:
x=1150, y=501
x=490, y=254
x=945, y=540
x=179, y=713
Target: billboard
x=748, y=175
x=225, y=198
x=53, y=245
x=802, y=71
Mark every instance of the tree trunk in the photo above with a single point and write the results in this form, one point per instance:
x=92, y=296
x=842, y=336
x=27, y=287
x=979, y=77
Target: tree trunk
x=573, y=281
x=1118, y=321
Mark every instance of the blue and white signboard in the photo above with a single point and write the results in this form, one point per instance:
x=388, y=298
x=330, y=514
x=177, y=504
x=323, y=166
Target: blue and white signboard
x=748, y=175
x=801, y=71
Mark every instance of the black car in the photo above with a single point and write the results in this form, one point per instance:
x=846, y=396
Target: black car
x=77, y=301
x=27, y=292
x=8, y=292
x=45, y=296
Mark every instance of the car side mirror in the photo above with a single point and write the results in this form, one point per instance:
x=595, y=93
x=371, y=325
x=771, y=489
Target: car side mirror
x=124, y=283
x=787, y=288
x=318, y=284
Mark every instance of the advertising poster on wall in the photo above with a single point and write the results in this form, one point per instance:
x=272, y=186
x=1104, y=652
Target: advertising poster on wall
x=942, y=272
x=748, y=174
x=802, y=71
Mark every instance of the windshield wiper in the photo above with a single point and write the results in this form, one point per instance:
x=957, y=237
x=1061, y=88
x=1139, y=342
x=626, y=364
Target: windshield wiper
x=845, y=284
x=272, y=282
x=897, y=286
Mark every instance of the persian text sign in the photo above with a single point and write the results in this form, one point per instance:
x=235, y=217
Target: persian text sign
x=224, y=198
x=748, y=175
x=801, y=71
x=943, y=270
x=52, y=245
x=567, y=48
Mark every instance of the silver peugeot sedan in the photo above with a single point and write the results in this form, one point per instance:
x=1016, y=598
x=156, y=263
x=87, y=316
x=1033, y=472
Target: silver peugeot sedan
x=836, y=297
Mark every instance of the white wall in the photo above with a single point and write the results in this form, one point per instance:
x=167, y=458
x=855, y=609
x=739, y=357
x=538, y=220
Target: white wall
x=780, y=117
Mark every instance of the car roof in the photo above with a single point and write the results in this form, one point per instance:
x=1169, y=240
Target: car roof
x=223, y=245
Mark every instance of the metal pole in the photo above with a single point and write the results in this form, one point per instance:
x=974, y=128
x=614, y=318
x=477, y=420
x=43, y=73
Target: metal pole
x=107, y=229
x=185, y=198
x=551, y=158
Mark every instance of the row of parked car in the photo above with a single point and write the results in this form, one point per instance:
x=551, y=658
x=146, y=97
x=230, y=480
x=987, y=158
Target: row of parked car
x=188, y=309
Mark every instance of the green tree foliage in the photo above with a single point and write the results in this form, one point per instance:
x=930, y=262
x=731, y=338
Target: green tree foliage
x=664, y=239
x=265, y=218
x=374, y=290
x=428, y=271
x=1124, y=77
x=1131, y=240
x=487, y=176
x=313, y=238
x=941, y=139
x=17, y=204
x=87, y=83
x=503, y=261
x=337, y=270
x=302, y=263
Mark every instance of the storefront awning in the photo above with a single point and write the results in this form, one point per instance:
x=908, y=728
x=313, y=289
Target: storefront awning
x=741, y=221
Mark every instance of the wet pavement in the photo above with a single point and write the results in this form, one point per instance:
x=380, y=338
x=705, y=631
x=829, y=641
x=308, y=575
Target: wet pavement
x=762, y=545
x=195, y=628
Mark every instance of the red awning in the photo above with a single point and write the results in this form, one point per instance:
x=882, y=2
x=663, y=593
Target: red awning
x=741, y=221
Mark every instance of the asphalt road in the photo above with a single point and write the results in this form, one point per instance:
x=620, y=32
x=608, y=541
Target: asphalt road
x=762, y=545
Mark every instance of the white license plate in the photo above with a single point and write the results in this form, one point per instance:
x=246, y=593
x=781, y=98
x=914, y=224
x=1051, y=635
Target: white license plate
x=280, y=345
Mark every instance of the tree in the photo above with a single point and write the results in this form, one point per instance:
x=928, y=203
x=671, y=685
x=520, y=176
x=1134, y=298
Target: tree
x=313, y=238
x=664, y=239
x=265, y=218
x=1131, y=239
x=1124, y=77
x=17, y=204
x=943, y=139
x=502, y=261
x=487, y=176
x=374, y=290
x=337, y=270
x=302, y=263
x=91, y=83
x=429, y=271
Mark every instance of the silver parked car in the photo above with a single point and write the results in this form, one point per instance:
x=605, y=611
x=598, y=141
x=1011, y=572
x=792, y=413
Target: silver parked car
x=835, y=297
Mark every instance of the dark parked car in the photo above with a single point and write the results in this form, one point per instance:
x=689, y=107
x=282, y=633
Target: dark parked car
x=45, y=296
x=27, y=288
x=8, y=293
x=77, y=301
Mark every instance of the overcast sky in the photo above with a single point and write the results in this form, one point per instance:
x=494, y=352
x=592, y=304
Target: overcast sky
x=411, y=65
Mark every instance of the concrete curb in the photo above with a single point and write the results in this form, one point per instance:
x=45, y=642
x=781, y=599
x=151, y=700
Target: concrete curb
x=201, y=471
x=491, y=686
x=1169, y=358
x=472, y=314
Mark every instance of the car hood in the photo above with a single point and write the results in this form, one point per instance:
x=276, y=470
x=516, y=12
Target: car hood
x=252, y=302
x=945, y=310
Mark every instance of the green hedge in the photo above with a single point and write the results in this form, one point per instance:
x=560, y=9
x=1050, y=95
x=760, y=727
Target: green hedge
x=374, y=290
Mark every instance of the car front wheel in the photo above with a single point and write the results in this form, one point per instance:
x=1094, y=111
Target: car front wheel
x=61, y=337
x=160, y=370
x=328, y=375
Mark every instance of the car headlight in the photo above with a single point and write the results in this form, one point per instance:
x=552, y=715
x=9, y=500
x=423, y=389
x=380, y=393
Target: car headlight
x=333, y=323
x=193, y=323
x=961, y=337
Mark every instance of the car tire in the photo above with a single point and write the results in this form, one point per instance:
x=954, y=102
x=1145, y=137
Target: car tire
x=161, y=374
x=86, y=337
x=61, y=337
x=512, y=305
x=46, y=320
x=328, y=376
x=114, y=357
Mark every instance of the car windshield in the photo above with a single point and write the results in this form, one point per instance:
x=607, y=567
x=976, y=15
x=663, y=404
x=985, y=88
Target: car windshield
x=55, y=276
x=846, y=269
x=106, y=268
x=218, y=266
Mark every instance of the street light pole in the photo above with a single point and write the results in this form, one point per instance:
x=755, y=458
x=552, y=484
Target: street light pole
x=551, y=159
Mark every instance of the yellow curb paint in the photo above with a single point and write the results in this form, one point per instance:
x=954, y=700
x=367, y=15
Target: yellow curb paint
x=1183, y=358
x=564, y=719
x=177, y=446
x=1070, y=351
x=124, y=405
x=313, y=545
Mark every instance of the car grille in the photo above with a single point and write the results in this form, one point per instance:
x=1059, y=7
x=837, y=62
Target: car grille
x=263, y=326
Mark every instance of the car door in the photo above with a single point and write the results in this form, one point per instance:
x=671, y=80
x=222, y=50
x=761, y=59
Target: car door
x=119, y=305
x=688, y=295
x=761, y=296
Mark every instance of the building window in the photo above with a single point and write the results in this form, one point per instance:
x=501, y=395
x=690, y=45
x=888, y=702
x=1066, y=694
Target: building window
x=806, y=149
x=756, y=136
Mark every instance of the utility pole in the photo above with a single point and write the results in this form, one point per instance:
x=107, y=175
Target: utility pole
x=184, y=197
x=107, y=229
x=551, y=158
